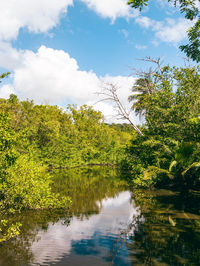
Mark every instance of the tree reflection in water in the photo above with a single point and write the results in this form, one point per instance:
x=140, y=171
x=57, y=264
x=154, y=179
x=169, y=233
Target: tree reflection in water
x=105, y=226
x=170, y=234
x=89, y=188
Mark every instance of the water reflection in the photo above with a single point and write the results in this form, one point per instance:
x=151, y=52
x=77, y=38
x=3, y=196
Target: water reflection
x=108, y=225
x=90, y=233
x=170, y=234
x=87, y=187
x=92, y=237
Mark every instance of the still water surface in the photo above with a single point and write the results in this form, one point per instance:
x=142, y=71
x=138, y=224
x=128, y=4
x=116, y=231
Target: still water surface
x=108, y=224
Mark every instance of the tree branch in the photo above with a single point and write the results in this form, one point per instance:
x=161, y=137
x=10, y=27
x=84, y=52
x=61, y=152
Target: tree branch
x=109, y=93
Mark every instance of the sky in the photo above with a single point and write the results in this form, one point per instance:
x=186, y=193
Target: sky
x=65, y=51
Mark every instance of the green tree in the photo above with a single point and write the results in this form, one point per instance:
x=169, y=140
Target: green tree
x=171, y=128
x=2, y=76
x=141, y=87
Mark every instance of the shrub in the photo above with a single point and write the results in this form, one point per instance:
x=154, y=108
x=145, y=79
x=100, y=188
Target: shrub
x=27, y=185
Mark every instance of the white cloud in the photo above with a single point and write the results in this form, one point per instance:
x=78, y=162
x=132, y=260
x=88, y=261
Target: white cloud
x=36, y=15
x=124, y=32
x=140, y=47
x=174, y=31
x=170, y=30
x=197, y=4
x=146, y=22
x=6, y=90
x=10, y=57
x=53, y=76
x=42, y=15
x=123, y=85
x=111, y=8
x=143, y=21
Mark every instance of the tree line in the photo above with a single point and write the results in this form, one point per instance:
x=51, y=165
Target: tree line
x=37, y=138
x=168, y=153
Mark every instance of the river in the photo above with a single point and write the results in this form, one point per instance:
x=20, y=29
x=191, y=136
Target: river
x=108, y=224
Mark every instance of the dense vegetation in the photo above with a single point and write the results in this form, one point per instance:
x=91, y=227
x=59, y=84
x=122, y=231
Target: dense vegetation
x=169, y=99
x=61, y=138
x=169, y=152
x=36, y=138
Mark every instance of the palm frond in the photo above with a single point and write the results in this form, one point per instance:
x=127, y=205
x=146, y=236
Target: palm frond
x=173, y=164
x=194, y=165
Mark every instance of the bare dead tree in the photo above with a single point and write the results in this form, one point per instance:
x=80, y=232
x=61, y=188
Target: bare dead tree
x=109, y=93
x=155, y=73
x=146, y=83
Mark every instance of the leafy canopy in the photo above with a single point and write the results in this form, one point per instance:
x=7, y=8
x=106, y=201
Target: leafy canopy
x=169, y=152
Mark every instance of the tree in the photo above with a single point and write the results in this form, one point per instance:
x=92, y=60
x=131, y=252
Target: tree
x=170, y=150
x=191, y=11
x=4, y=75
x=109, y=93
x=145, y=84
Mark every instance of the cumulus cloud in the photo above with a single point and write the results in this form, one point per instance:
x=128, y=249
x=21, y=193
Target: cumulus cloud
x=36, y=15
x=6, y=90
x=111, y=8
x=10, y=57
x=170, y=30
x=42, y=15
x=52, y=76
x=174, y=31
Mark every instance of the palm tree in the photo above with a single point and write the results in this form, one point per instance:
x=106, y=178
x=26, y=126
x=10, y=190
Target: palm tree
x=184, y=169
x=144, y=86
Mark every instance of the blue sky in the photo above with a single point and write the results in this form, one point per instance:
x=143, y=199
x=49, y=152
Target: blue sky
x=63, y=51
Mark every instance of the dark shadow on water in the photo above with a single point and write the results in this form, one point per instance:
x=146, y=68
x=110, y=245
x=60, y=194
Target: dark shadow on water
x=170, y=234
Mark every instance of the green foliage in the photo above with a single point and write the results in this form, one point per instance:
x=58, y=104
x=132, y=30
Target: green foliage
x=63, y=138
x=2, y=76
x=32, y=136
x=35, y=135
x=188, y=7
x=7, y=140
x=27, y=185
x=192, y=49
x=24, y=180
x=8, y=231
x=169, y=153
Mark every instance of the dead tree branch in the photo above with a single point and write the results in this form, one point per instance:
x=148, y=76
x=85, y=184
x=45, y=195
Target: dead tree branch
x=109, y=93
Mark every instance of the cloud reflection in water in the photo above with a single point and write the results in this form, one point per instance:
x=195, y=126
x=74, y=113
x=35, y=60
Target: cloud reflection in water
x=94, y=236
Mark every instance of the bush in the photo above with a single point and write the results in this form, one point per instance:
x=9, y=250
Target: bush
x=27, y=185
